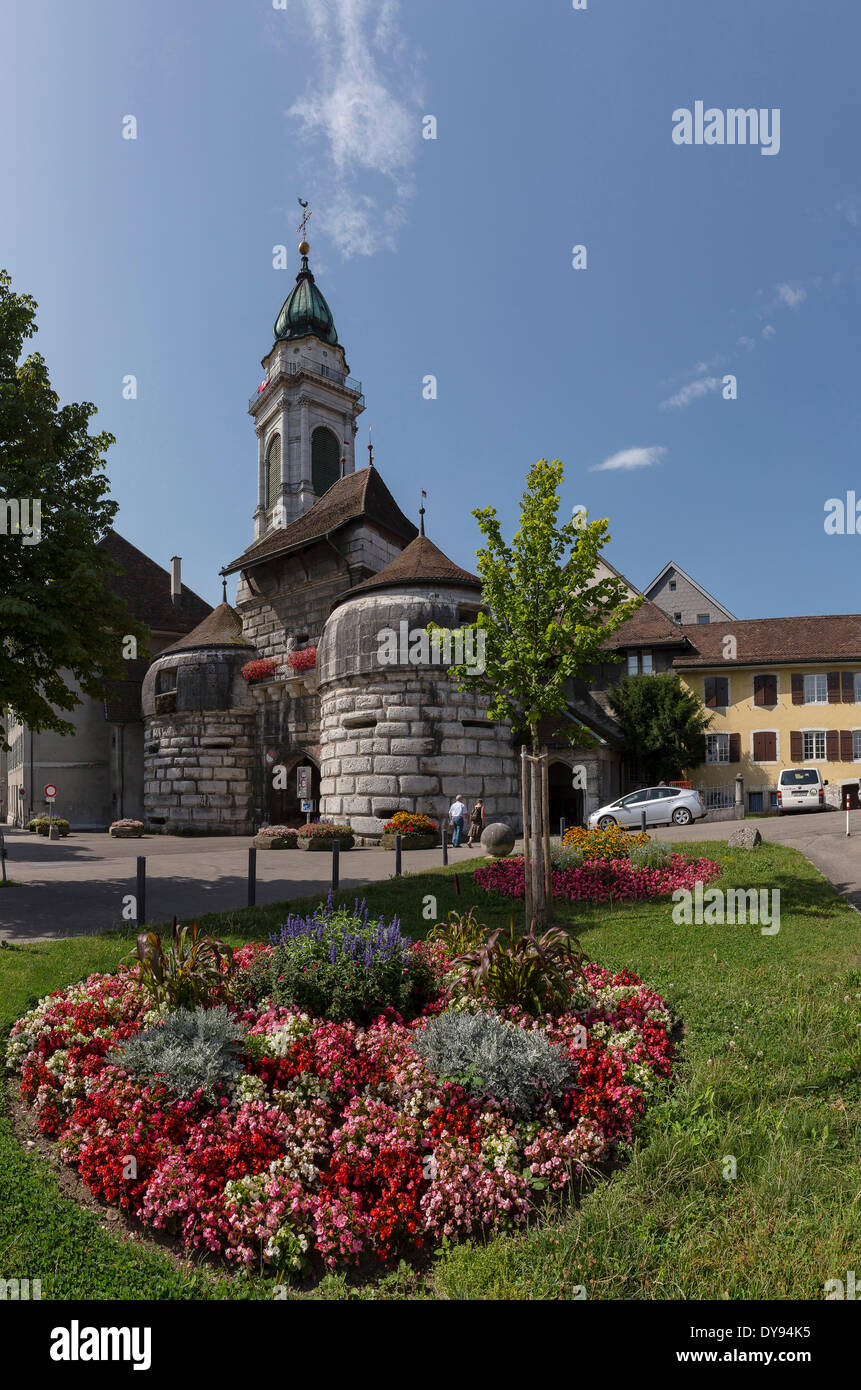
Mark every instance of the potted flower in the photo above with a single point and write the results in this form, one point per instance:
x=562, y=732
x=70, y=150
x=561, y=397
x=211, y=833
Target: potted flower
x=416, y=832
x=276, y=837
x=304, y=660
x=126, y=829
x=320, y=834
x=47, y=824
x=262, y=669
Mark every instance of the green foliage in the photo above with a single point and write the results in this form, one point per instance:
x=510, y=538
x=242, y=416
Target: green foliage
x=529, y=971
x=61, y=623
x=655, y=855
x=497, y=1059
x=192, y=1050
x=339, y=965
x=190, y=968
x=546, y=621
x=663, y=724
x=459, y=933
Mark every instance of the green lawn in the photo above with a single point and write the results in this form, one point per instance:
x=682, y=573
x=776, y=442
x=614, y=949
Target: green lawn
x=768, y=1075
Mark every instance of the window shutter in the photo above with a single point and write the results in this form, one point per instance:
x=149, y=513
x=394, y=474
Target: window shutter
x=797, y=691
x=735, y=748
x=770, y=747
x=709, y=692
x=722, y=691
x=796, y=742
x=848, y=682
x=834, y=687
x=759, y=747
x=758, y=698
x=846, y=745
x=771, y=689
x=832, y=745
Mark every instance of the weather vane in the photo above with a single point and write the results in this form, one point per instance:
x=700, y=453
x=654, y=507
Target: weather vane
x=305, y=216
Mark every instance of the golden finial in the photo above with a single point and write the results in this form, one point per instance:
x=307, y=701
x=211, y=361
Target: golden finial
x=304, y=248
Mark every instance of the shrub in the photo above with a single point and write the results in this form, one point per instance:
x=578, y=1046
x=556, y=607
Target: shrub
x=497, y=1059
x=656, y=855
x=193, y=1050
x=188, y=969
x=44, y=823
x=614, y=843
x=528, y=972
x=338, y=965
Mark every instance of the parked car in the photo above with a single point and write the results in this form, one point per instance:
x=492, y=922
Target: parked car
x=662, y=805
x=800, y=789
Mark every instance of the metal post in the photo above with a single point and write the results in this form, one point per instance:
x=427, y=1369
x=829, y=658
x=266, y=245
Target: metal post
x=252, y=876
x=562, y=828
x=398, y=855
x=336, y=863
x=3, y=848
x=444, y=846
x=140, y=898
x=847, y=823
x=643, y=822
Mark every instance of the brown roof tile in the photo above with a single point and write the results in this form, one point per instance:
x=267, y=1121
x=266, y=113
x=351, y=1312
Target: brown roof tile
x=362, y=494
x=421, y=563
x=222, y=628
x=649, y=626
x=832, y=637
x=145, y=587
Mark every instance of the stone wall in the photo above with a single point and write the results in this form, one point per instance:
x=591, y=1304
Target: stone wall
x=198, y=770
x=411, y=743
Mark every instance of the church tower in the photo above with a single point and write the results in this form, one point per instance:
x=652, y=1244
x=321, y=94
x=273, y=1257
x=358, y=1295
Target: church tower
x=305, y=410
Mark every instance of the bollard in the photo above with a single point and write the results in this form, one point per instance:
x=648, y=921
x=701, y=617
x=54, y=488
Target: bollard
x=562, y=828
x=643, y=822
x=252, y=877
x=444, y=846
x=398, y=855
x=140, y=899
x=336, y=864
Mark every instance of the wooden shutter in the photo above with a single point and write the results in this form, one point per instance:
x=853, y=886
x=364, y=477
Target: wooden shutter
x=734, y=746
x=834, y=687
x=796, y=743
x=846, y=745
x=759, y=739
x=722, y=691
x=770, y=746
x=847, y=680
x=709, y=692
x=797, y=688
x=832, y=745
x=765, y=688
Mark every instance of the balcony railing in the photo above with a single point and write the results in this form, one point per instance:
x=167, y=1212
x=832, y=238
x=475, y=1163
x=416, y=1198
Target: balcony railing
x=318, y=369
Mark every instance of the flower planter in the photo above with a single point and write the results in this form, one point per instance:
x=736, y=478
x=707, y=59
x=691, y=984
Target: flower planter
x=410, y=841
x=275, y=842
x=325, y=842
x=125, y=834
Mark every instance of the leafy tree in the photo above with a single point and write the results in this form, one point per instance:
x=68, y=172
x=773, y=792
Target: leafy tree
x=546, y=622
x=59, y=622
x=663, y=724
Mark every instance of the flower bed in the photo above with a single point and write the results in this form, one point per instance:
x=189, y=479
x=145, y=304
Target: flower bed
x=126, y=829
x=276, y=837
x=600, y=880
x=320, y=834
x=416, y=831
x=268, y=1135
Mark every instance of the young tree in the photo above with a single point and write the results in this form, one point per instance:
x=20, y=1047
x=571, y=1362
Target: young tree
x=58, y=618
x=546, y=621
x=663, y=724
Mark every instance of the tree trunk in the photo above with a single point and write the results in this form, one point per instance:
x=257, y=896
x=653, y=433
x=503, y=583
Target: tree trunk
x=545, y=831
x=539, y=895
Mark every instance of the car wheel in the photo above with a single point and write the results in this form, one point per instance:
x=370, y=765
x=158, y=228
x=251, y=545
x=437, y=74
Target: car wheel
x=607, y=823
x=682, y=816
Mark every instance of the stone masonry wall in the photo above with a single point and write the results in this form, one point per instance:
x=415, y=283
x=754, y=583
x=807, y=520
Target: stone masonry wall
x=401, y=743
x=198, y=771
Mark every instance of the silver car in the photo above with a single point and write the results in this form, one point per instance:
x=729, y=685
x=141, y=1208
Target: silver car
x=662, y=806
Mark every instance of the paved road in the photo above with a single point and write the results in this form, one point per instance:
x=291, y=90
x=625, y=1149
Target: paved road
x=77, y=886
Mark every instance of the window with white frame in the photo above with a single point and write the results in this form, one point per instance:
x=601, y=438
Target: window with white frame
x=816, y=690
x=717, y=748
x=813, y=744
x=647, y=663
x=856, y=745
x=858, y=687
x=633, y=668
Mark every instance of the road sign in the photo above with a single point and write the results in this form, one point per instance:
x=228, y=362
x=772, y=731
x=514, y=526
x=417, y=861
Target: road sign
x=306, y=806
x=50, y=791
x=303, y=783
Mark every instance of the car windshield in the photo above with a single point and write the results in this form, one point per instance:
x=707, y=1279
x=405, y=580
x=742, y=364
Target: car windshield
x=799, y=777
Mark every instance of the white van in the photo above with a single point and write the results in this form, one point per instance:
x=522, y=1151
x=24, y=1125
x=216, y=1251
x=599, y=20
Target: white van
x=800, y=789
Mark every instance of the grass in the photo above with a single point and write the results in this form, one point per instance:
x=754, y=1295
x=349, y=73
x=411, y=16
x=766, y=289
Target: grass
x=767, y=1086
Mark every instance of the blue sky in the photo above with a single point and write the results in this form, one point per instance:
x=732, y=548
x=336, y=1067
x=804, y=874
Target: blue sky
x=453, y=257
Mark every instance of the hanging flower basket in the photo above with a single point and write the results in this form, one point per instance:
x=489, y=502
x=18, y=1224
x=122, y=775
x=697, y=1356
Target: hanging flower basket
x=263, y=669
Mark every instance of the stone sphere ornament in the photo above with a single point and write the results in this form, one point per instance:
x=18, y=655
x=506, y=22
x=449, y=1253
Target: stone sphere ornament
x=498, y=839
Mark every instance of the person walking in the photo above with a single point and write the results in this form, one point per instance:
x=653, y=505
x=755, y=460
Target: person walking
x=476, y=822
x=457, y=814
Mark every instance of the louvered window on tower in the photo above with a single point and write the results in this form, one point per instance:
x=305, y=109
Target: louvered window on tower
x=273, y=471
x=325, y=459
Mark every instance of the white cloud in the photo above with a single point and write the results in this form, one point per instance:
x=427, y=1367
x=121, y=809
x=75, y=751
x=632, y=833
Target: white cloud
x=792, y=296
x=768, y=331
x=630, y=458
x=363, y=106
x=694, y=391
x=745, y=342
